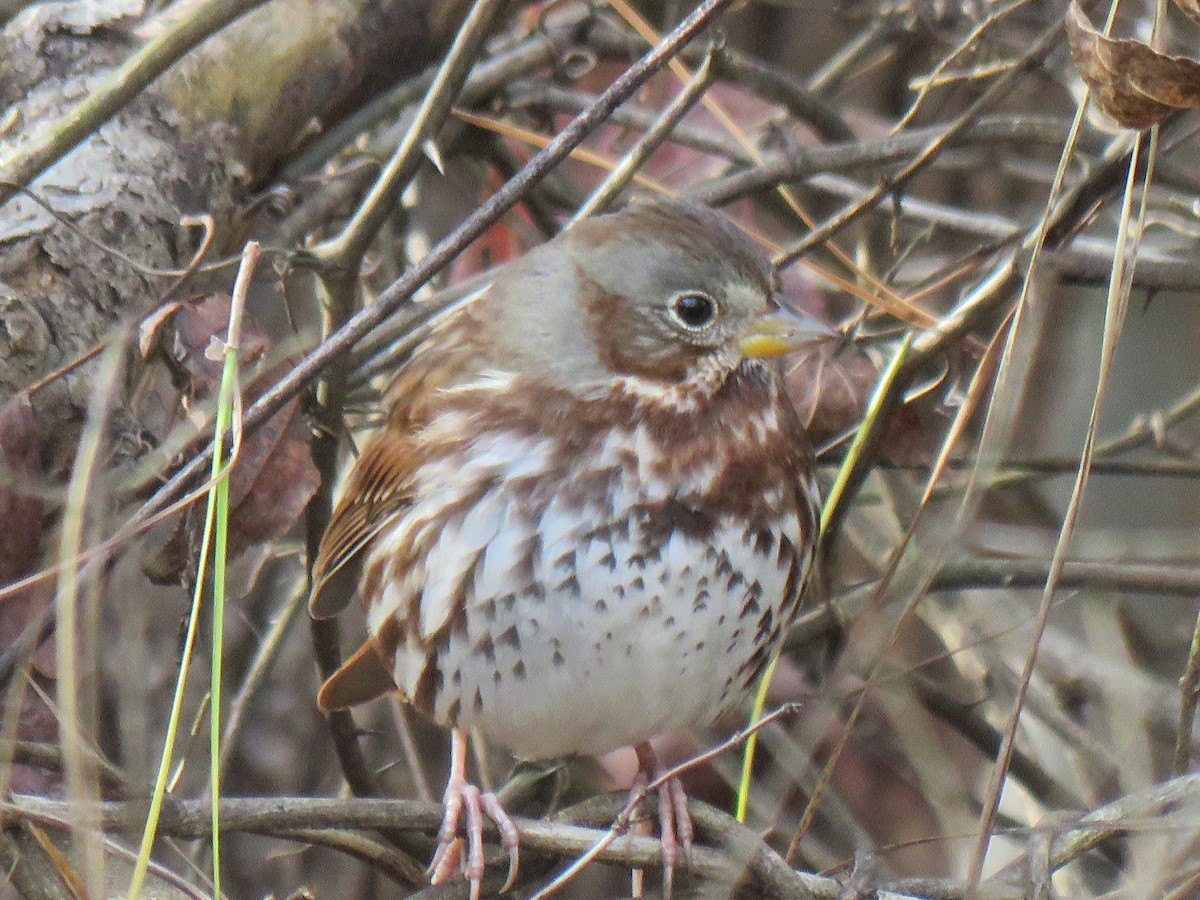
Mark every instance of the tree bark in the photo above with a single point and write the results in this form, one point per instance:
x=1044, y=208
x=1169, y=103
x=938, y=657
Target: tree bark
x=200, y=140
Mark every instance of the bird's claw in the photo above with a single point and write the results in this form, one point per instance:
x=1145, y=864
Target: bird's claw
x=446, y=860
x=676, y=831
x=674, y=820
x=676, y=799
x=509, y=840
x=463, y=797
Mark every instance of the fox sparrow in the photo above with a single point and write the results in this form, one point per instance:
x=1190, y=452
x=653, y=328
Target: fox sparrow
x=590, y=513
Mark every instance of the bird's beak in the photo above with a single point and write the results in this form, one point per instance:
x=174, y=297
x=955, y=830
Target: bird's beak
x=780, y=332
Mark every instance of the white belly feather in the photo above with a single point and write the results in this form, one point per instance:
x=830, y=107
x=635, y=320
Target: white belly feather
x=616, y=647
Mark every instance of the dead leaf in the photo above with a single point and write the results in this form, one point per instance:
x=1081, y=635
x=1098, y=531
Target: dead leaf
x=274, y=477
x=272, y=482
x=197, y=326
x=830, y=387
x=22, y=511
x=58, y=859
x=1134, y=84
x=165, y=563
x=830, y=390
x=268, y=490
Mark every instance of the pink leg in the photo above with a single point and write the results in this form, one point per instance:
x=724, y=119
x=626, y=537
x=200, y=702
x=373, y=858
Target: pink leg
x=674, y=820
x=642, y=828
x=462, y=796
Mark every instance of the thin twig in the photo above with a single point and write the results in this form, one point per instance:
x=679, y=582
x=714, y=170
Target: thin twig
x=1189, y=694
x=820, y=234
x=620, y=824
x=970, y=40
x=1151, y=805
x=260, y=668
x=345, y=251
x=803, y=162
x=1124, y=260
x=541, y=49
x=545, y=96
x=651, y=139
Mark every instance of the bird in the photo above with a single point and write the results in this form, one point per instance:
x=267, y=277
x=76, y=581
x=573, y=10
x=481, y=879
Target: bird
x=590, y=511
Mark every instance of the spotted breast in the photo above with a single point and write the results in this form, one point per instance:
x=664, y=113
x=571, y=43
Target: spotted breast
x=571, y=583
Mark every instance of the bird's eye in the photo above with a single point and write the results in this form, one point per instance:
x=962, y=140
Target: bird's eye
x=693, y=311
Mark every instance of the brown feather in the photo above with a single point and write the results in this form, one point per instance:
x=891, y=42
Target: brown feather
x=363, y=677
x=375, y=496
x=377, y=491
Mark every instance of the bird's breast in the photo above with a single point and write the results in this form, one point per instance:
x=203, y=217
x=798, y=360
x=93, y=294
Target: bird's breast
x=574, y=602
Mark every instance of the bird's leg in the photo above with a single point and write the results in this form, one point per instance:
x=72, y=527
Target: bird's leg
x=641, y=826
x=462, y=796
x=674, y=820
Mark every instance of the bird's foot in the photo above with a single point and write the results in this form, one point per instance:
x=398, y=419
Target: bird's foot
x=674, y=821
x=463, y=797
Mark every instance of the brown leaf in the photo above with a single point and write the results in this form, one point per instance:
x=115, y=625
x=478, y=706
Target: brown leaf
x=196, y=326
x=164, y=563
x=274, y=477
x=1135, y=85
x=22, y=511
x=830, y=388
x=272, y=482
x=269, y=487
x=58, y=859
